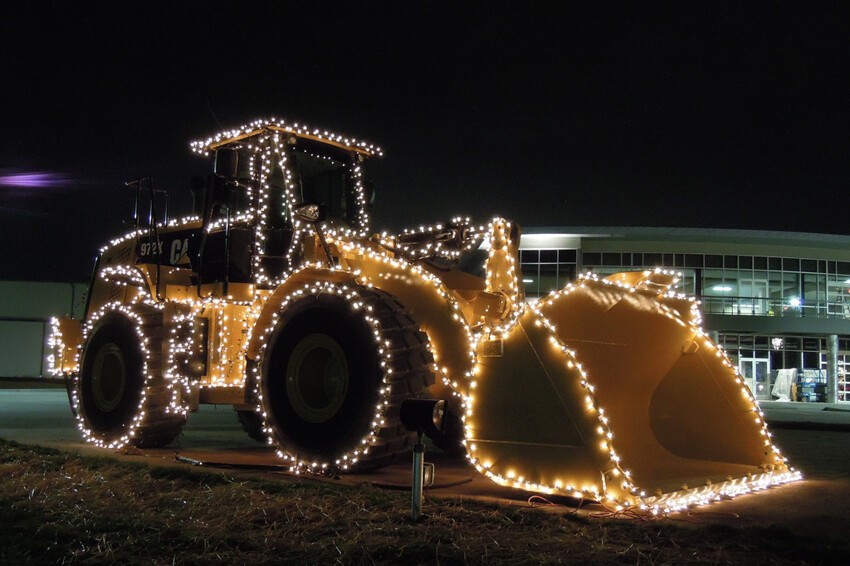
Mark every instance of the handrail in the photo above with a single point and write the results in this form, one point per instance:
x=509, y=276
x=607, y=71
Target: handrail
x=766, y=306
x=153, y=223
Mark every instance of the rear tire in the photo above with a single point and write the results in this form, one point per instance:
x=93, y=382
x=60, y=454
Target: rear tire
x=327, y=392
x=121, y=395
x=252, y=424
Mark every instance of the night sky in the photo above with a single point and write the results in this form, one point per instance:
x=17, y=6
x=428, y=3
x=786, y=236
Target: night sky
x=687, y=114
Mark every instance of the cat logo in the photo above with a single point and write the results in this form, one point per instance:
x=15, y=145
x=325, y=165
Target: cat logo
x=178, y=251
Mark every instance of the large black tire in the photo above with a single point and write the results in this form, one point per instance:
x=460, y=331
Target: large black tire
x=113, y=382
x=252, y=423
x=323, y=378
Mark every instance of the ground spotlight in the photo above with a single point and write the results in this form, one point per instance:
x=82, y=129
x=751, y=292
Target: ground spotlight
x=421, y=416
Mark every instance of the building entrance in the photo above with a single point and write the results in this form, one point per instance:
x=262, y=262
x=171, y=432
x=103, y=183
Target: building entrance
x=756, y=374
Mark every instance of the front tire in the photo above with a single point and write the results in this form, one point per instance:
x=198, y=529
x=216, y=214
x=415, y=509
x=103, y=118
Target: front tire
x=121, y=397
x=338, y=364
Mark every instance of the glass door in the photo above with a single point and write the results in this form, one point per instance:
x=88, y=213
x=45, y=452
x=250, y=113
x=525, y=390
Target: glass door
x=756, y=374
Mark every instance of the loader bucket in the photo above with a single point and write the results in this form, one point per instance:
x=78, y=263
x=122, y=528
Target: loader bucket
x=610, y=390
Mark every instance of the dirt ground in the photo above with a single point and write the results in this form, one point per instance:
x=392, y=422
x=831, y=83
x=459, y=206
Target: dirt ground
x=820, y=503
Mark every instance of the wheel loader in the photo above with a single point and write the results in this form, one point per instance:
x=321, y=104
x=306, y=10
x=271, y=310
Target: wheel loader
x=277, y=300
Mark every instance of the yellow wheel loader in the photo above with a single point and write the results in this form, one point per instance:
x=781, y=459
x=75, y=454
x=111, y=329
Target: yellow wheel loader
x=276, y=299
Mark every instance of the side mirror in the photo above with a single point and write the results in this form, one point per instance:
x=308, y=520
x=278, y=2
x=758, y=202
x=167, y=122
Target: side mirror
x=311, y=213
x=226, y=163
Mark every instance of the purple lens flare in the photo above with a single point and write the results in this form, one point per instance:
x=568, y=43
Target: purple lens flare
x=31, y=180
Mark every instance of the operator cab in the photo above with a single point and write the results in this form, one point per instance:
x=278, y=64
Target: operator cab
x=226, y=237
x=325, y=175
x=258, y=181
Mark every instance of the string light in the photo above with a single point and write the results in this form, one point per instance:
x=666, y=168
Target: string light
x=444, y=241
x=140, y=416
x=684, y=311
x=218, y=343
x=58, y=362
x=359, y=304
x=257, y=127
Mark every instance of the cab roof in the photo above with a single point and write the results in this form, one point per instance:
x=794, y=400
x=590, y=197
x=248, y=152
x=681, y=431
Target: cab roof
x=261, y=126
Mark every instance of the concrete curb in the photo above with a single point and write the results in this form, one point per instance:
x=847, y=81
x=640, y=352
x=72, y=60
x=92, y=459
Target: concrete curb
x=809, y=425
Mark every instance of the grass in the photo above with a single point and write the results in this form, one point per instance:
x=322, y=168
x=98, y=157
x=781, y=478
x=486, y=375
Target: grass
x=62, y=508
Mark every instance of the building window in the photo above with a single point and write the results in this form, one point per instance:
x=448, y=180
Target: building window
x=544, y=271
x=591, y=259
x=611, y=259
x=759, y=366
x=652, y=260
x=727, y=284
x=715, y=261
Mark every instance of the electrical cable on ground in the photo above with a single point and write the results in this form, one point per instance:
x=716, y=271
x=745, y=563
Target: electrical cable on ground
x=406, y=487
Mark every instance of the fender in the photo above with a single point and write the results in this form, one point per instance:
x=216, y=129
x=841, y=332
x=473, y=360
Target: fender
x=436, y=308
x=424, y=296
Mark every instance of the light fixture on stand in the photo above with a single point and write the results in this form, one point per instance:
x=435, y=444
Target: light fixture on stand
x=421, y=416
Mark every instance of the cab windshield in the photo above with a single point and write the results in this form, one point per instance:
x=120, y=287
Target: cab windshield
x=323, y=175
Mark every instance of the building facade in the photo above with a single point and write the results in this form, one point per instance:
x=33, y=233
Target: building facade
x=25, y=311
x=775, y=301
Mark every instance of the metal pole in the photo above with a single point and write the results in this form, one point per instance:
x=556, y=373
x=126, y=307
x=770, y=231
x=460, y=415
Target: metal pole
x=418, y=478
x=832, y=369
x=45, y=336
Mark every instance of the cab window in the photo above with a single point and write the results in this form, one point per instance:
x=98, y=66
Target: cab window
x=323, y=176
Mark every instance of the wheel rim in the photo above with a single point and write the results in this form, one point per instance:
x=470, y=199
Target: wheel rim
x=109, y=377
x=317, y=378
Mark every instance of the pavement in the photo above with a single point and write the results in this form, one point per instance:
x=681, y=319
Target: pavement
x=814, y=437
x=796, y=415
x=801, y=415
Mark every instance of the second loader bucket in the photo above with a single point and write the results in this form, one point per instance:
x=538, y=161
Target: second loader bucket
x=611, y=390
